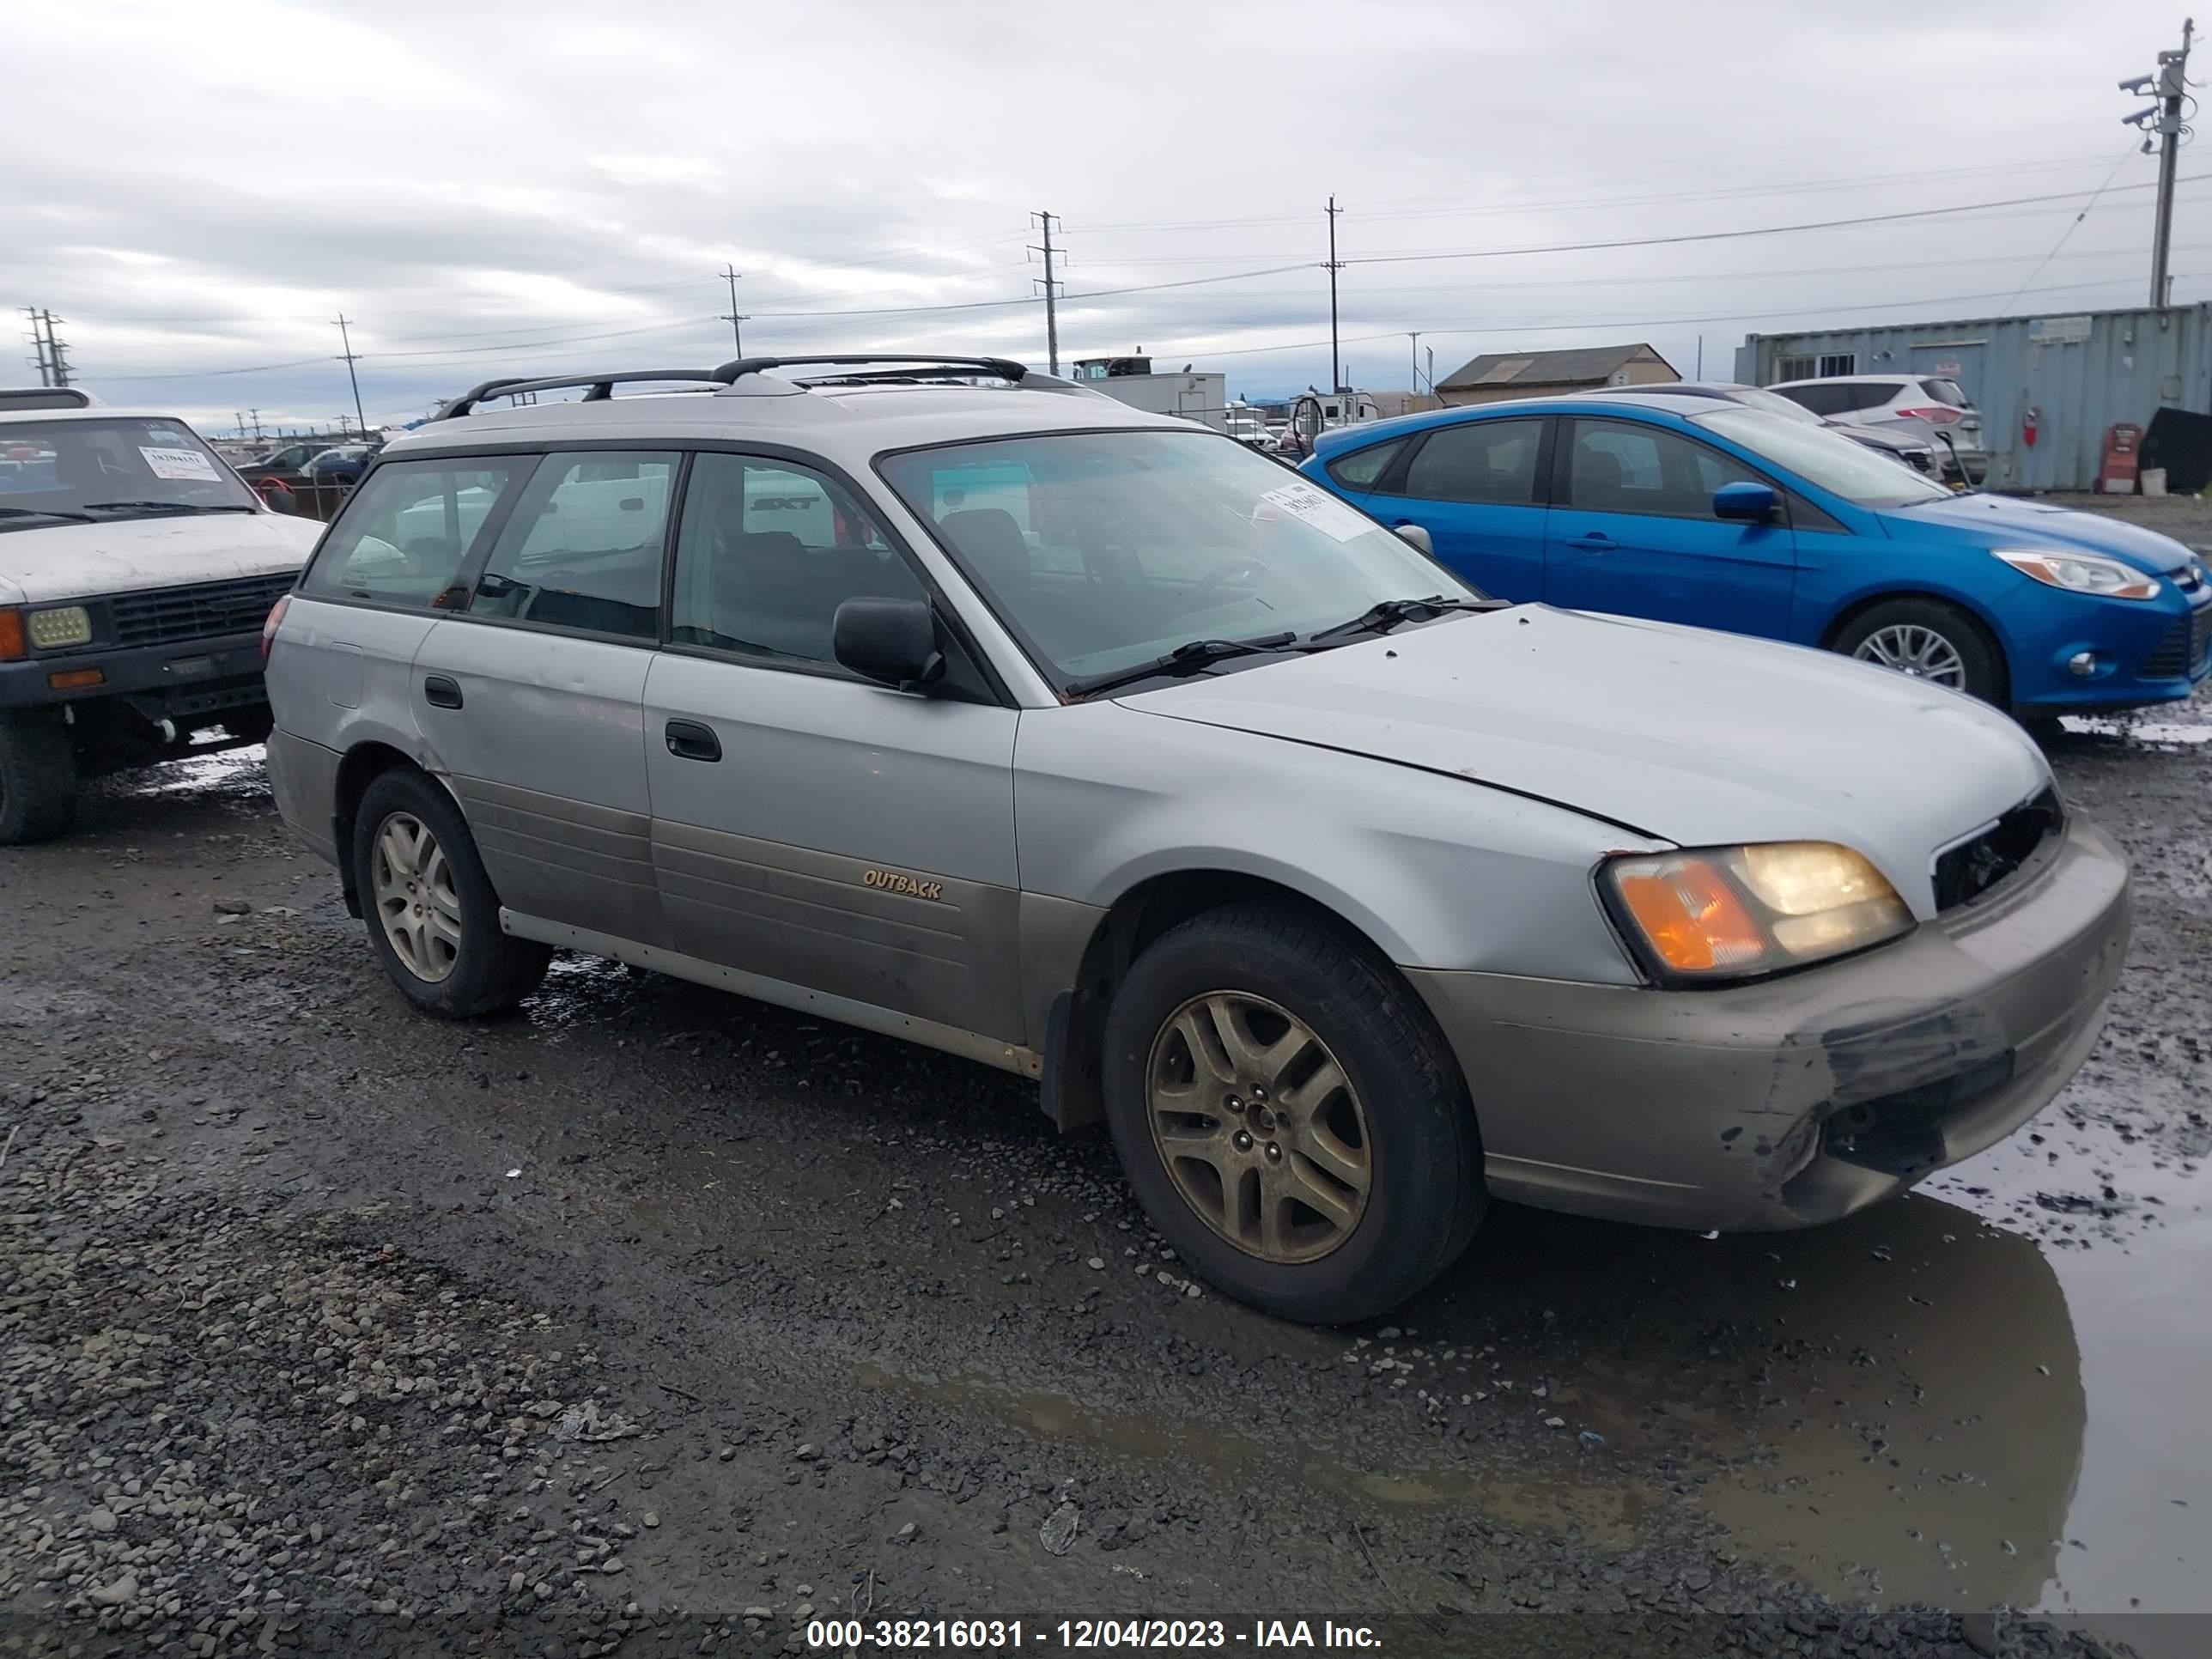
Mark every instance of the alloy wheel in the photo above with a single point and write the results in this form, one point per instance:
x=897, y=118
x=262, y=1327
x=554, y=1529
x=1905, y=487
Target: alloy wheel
x=1921, y=653
x=416, y=903
x=1258, y=1127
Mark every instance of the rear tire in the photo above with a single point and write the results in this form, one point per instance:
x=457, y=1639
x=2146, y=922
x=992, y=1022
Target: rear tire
x=1365, y=1112
x=432, y=914
x=1931, y=640
x=38, y=778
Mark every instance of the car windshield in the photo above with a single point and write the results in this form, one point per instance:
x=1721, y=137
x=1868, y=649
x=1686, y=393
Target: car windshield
x=1105, y=551
x=1825, y=459
x=108, y=469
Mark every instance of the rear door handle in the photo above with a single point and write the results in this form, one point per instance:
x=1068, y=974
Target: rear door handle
x=688, y=740
x=1595, y=542
x=442, y=692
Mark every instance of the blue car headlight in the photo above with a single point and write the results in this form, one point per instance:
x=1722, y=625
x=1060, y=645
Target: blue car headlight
x=2081, y=572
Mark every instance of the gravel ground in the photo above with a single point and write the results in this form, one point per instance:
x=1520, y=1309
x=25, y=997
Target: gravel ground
x=653, y=1321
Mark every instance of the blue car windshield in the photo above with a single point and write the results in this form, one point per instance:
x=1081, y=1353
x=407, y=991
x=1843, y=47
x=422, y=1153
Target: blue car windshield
x=1825, y=459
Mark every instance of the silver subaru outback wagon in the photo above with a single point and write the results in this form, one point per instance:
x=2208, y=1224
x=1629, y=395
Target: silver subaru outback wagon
x=962, y=704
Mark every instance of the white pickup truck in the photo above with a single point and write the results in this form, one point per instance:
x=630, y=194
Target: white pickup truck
x=136, y=572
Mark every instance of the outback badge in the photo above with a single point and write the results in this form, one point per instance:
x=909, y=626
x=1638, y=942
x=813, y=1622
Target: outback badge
x=892, y=882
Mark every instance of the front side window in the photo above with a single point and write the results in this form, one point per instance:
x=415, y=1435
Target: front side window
x=767, y=552
x=1106, y=550
x=1619, y=468
x=102, y=471
x=583, y=548
x=1491, y=462
x=407, y=531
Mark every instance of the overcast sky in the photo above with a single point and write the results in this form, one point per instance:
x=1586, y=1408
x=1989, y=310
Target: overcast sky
x=489, y=187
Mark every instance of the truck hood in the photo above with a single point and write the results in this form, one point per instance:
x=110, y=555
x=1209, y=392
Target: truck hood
x=2005, y=521
x=1676, y=734
x=128, y=556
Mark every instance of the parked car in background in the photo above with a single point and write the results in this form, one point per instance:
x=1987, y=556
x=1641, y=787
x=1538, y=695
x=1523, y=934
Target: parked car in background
x=1698, y=510
x=1927, y=405
x=342, y=464
x=1917, y=453
x=285, y=464
x=135, y=570
x=989, y=746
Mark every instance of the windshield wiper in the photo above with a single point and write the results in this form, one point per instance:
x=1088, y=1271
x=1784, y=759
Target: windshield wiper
x=1386, y=613
x=1185, y=659
x=160, y=507
x=43, y=513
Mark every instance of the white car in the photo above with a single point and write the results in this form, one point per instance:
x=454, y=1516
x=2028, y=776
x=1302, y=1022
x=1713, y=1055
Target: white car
x=135, y=570
x=1923, y=405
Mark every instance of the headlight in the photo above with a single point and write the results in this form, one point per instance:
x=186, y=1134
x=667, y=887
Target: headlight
x=2081, y=572
x=1737, y=912
x=51, y=630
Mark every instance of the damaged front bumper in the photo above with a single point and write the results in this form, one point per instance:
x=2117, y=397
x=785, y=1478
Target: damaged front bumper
x=1800, y=1100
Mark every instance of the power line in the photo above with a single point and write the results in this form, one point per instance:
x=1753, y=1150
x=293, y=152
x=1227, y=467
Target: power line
x=2074, y=223
x=1753, y=230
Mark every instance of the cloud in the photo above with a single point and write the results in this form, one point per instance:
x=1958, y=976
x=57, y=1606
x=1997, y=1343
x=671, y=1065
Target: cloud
x=505, y=187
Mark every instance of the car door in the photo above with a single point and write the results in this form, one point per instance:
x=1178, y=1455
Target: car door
x=1633, y=532
x=813, y=831
x=1474, y=485
x=532, y=699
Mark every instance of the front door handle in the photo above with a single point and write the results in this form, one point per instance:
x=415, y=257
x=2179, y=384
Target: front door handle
x=442, y=692
x=1595, y=542
x=688, y=740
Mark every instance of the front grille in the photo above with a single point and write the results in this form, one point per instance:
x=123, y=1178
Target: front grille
x=204, y=610
x=2184, y=648
x=1972, y=868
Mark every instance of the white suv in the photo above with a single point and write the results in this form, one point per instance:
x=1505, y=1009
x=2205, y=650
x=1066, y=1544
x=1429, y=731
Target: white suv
x=135, y=573
x=1924, y=405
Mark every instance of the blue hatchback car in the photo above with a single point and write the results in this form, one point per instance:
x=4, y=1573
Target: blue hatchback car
x=1687, y=510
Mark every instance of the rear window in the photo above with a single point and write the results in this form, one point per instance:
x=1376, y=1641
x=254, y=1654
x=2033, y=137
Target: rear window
x=407, y=531
x=1945, y=391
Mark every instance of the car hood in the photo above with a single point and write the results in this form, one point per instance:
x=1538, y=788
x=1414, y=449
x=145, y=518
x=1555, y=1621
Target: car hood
x=125, y=555
x=1678, y=734
x=2007, y=521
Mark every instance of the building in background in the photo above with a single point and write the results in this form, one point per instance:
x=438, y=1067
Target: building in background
x=1498, y=375
x=2049, y=388
x=1195, y=396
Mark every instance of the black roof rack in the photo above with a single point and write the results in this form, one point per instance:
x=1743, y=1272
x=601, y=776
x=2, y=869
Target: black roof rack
x=45, y=397
x=601, y=386
x=1005, y=368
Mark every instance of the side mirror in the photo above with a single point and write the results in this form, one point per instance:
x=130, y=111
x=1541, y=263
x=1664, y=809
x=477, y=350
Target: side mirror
x=891, y=641
x=1417, y=537
x=1754, y=502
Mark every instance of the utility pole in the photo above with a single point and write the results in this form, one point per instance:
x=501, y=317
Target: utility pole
x=254, y=416
x=38, y=346
x=51, y=358
x=56, y=349
x=1414, y=335
x=1335, y=370
x=1051, y=294
x=350, y=357
x=730, y=275
x=2169, y=85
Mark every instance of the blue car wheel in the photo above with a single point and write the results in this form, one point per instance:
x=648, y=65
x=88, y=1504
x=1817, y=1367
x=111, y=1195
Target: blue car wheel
x=1930, y=641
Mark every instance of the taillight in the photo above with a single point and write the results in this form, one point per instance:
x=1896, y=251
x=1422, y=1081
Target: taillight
x=1941, y=414
x=269, y=628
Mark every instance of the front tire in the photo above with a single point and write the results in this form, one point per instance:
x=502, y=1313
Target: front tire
x=1927, y=640
x=1288, y=1116
x=38, y=778
x=432, y=914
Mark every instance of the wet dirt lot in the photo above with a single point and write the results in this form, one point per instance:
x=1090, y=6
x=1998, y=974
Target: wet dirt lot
x=782, y=1320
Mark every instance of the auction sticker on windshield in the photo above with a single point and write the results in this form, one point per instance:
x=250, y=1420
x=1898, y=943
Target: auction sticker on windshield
x=180, y=466
x=1317, y=507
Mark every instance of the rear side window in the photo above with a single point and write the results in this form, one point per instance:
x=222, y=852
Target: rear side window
x=583, y=548
x=1945, y=391
x=1491, y=462
x=1863, y=394
x=407, y=531
x=1361, y=470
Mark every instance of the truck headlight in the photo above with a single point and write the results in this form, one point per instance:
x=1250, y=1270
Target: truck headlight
x=1739, y=912
x=2081, y=572
x=54, y=630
